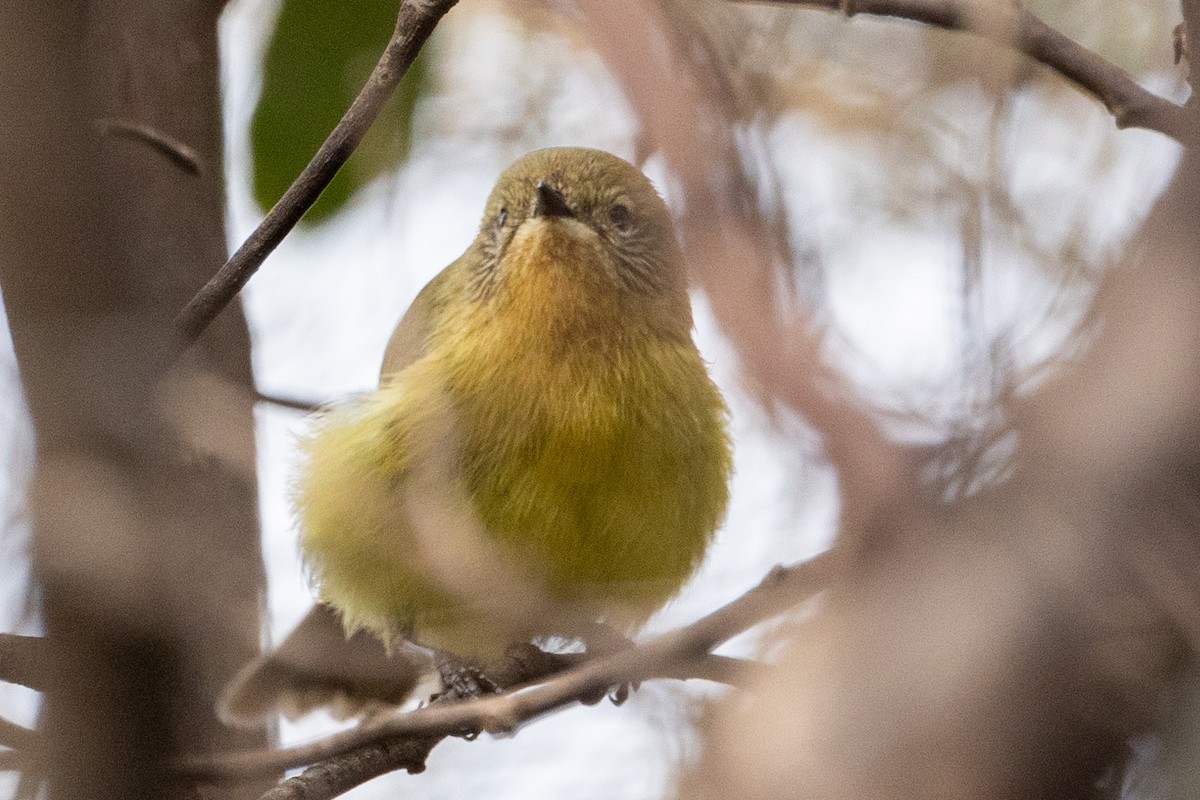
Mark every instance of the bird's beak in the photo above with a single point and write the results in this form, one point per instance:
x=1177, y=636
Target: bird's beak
x=550, y=202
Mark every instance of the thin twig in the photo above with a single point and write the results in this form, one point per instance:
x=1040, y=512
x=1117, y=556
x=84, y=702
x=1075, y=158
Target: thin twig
x=180, y=154
x=680, y=653
x=307, y=406
x=1130, y=104
x=23, y=660
x=414, y=23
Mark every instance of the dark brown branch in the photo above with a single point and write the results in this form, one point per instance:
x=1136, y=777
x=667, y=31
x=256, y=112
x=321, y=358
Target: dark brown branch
x=414, y=24
x=683, y=653
x=1131, y=105
x=23, y=660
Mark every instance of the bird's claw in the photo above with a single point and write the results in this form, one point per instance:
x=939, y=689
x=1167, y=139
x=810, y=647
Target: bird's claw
x=462, y=681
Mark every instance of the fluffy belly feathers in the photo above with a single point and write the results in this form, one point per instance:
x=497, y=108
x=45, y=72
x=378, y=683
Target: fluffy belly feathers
x=482, y=512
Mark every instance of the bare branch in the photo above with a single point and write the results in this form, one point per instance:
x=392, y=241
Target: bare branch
x=414, y=24
x=683, y=653
x=1007, y=25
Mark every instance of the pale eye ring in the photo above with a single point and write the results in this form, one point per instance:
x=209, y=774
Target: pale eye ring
x=620, y=217
x=503, y=218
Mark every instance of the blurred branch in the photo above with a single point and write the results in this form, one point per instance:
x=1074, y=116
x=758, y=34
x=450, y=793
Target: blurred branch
x=17, y=737
x=23, y=660
x=1011, y=26
x=1024, y=603
x=414, y=24
x=403, y=740
x=688, y=108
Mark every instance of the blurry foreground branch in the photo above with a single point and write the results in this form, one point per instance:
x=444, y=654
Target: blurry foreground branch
x=414, y=24
x=1009, y=25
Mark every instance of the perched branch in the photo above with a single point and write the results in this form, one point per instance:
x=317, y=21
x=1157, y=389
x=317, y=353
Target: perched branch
x=23, y=660
x=1011, y=26
x=683, y=653
x=339, y=775
x=414, y=24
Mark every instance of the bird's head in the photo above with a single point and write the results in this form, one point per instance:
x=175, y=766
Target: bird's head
x=588, y=219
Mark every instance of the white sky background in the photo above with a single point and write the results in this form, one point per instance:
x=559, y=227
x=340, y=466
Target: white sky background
x=323, y=305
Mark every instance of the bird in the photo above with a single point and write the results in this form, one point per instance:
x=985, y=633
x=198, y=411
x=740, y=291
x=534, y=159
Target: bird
x=545, y=452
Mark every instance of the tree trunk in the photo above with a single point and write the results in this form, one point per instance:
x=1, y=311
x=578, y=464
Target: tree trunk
x=144, y=501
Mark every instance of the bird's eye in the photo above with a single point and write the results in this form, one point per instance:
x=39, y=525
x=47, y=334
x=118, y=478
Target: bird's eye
x=620, y=217
x=503, y=218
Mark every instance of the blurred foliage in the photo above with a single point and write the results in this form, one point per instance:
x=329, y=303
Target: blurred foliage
x=318, y=59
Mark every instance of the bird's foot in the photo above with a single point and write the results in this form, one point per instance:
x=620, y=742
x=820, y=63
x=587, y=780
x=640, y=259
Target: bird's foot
x=462, y=680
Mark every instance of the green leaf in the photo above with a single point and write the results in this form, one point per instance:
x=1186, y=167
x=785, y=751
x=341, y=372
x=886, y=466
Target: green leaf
x=319, y=58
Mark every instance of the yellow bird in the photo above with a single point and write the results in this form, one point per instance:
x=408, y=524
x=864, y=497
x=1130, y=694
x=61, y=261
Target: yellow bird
x=545, y=451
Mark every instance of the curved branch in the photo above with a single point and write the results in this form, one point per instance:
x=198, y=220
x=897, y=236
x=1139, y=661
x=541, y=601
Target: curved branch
x=178, y=153
x=409, y=736
x=1131, y=105
x=414, y=24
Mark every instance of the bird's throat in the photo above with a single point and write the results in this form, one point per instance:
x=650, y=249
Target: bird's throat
x=558, y=288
